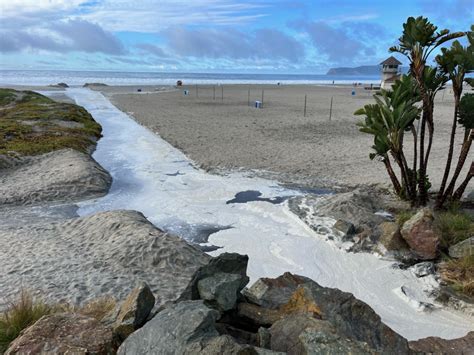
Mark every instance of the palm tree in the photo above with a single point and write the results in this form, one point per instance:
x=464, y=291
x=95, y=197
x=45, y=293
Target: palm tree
x=419, y=39
x=456, y=62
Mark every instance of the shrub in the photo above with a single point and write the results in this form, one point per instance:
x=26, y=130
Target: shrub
x=403, y=216
x=20, y=314
x=454, y=227
x=460, y=274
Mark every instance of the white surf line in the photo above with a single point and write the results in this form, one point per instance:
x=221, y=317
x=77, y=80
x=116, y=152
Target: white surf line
x=153, y=177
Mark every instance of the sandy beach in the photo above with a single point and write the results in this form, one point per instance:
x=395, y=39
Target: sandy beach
x=313, y=151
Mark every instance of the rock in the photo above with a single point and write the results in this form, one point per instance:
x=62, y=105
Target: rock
x=273, y=293
x=301, y=334
x=420, y=234
x=462, y=249
x=353, y=318
x=258, y=315
x=345, y=227
x=391, y=238
x=223, y=344
x=220, y=290
x=218, y=270
x=61, y=176
x=134, y=311
x=104, y=253
x=435, y=345
x=86, y=85
x=64, y=334
x=175, y=330
x=264, y=338
x=60, y=85
x=423, y=269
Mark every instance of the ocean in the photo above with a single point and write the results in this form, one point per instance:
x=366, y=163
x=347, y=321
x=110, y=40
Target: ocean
x=73, y=78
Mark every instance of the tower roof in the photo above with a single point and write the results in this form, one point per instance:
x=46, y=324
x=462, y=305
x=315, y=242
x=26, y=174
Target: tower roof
x=391, y=61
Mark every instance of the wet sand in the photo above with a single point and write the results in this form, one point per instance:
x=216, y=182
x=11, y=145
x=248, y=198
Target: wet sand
x=323, y=149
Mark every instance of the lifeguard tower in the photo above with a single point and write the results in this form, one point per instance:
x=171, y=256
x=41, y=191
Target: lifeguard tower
x=390, y=72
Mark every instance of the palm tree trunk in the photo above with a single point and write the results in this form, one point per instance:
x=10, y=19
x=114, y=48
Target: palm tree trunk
x=462, y=159
x=458, y=194
x=393, y=176
x=423, y=196
x=439, y=199
x=415, y=158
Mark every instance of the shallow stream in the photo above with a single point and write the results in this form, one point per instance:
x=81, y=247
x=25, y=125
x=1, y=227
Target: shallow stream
x=248, y=215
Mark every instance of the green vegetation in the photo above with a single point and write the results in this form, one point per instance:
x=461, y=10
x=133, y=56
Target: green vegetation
x=454, y=227
x=19, y=315
x=408, y=108
x=403, y=216
x=459, y=273
x=32, y=124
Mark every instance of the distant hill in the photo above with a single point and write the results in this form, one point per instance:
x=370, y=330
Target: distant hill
x=362, y=70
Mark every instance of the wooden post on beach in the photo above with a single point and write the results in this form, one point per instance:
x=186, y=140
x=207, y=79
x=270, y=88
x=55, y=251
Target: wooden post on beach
x=263, y=91
x=222, y=92
x=248, y=98
x=304, y=115
x=197, y=91
x=330, y=110
x=214, y=92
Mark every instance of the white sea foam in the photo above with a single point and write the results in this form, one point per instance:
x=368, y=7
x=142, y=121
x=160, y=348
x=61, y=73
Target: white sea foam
x=144, y=170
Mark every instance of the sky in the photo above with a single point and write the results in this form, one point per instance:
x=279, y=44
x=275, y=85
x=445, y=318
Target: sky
x=225, y=36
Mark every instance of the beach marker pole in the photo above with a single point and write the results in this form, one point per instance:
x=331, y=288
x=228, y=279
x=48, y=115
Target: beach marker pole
x=214, y=92
x=197, y=91
x=263, y=91
x=330, y=110
x=304, y=106
x=248, y=98
x=222, y=92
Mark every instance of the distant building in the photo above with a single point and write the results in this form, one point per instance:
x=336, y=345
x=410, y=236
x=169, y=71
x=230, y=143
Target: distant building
x=390, y=72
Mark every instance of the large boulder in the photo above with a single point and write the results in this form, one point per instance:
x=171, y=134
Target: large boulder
x=220, y=289
x=390, y=237
x=134, y=311
x=173, y=330
x=64, y=334
x=435, y=345
x=353, y=318
x=462, y=249
x=302, y=334
x=420, y=234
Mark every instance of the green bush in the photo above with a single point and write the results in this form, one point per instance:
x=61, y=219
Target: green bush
x=19, y=315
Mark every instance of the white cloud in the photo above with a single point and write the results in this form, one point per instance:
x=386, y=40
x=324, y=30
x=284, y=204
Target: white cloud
x=18, y=7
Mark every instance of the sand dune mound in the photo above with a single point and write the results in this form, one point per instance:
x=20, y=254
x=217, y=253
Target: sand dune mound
x=103, y=254
x=64, y=175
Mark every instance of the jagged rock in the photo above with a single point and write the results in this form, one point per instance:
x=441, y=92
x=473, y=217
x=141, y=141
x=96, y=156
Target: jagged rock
x=64, y=334
x=353, y=318
x=60, y=85
x=273, y=293
x=86, y=85
x=259, y=315
x=302, y=334
x=435, y=345
x=174, y=330
x=390, y=236
x=264, y=338
x=345, y=227
x=423, y=269
x=134, y=311
x=420, y=234
x=462, y=249
x=221, y=290
x=218, y=284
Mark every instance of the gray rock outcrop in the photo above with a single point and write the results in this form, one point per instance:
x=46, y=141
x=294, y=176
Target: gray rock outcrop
x=462, y=249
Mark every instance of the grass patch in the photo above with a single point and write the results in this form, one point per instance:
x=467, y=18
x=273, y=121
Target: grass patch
x=7, y=96
x=454, y=227
x=99, y=308
x=459, y=273
x=43, y=133
x=403, y=216
x=19, y=315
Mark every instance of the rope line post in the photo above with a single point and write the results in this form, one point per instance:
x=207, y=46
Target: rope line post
x=330, y=110
x=263, y=92
x=222, y=92
x=304, y=115
x=248, y=98
x=197, y=91
x=214, y=92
